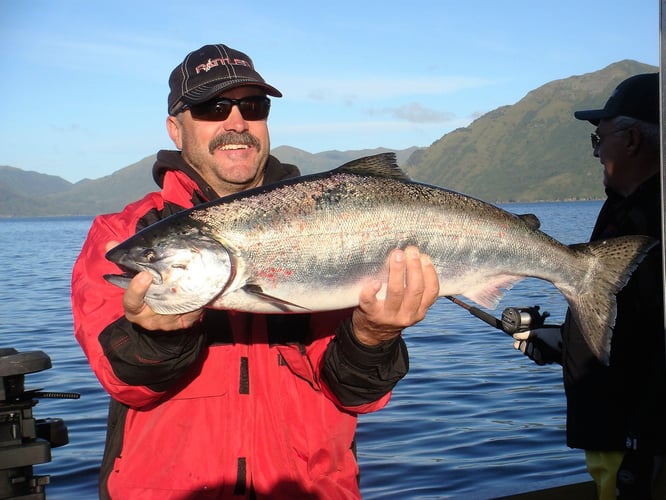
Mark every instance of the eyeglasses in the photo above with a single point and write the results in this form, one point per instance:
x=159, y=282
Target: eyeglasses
x=251, y=108
x=596, y=139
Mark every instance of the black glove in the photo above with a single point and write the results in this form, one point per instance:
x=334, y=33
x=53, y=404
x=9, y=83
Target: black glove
x=541, y=345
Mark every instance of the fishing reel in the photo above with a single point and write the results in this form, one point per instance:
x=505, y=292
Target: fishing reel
x=514, y=319
x=24, y=440
x=521, y=319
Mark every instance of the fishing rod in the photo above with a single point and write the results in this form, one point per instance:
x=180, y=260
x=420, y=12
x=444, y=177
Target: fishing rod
x=514, y=319
x=662, y=171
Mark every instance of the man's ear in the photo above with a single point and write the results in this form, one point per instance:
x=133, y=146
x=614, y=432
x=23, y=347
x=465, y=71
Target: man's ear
x=174, y=126
x=633, y=140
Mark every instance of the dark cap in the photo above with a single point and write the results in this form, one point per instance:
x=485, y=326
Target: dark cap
x=209, y=71
x=636, y=97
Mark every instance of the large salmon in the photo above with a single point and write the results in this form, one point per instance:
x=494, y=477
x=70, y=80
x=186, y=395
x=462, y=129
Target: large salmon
x=311, y=243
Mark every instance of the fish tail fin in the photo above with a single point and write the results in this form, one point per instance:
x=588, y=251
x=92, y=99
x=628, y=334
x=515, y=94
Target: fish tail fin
x=593, y=302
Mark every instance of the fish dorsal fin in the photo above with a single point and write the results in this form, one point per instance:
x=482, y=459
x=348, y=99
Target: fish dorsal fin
x=531, y=220
x=381, y=165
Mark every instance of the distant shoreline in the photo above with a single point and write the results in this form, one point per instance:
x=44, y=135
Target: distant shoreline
x=497, y=203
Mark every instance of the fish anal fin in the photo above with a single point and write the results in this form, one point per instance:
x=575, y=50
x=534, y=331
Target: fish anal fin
x=489, y=293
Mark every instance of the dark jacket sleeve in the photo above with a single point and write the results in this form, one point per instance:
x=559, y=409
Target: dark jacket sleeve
x=156, y=359
x=358, y=374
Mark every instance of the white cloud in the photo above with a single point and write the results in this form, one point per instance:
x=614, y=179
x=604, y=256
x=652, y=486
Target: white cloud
x=345, y=135
x=373, y=88
x=414, y=112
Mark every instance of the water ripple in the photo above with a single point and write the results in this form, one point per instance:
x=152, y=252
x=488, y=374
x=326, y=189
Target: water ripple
x=471, y=413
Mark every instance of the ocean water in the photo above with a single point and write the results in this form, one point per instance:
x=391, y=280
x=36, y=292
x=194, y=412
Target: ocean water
x=472, y=418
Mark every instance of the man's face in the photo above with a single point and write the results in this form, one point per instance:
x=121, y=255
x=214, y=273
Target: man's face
x=612, y=153
x=230, y=154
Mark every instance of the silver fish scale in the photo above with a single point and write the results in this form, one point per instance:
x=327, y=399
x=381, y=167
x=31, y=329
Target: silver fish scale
x=308, y=231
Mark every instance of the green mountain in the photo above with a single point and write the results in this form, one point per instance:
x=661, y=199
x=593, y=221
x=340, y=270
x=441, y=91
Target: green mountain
x=531, y=150
x=310, y=163
x=111, y=193
x=15, y=182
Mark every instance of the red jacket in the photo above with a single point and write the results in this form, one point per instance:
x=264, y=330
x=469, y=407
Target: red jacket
x=239, y=405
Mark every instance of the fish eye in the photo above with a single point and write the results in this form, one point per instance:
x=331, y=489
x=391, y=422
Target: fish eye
x=149, y=254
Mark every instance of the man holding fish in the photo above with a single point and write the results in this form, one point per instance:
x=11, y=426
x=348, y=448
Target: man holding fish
x=213, y=403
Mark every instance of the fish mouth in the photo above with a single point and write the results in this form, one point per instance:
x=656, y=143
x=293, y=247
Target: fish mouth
x=120, y=280
x=131, y=266
x=128, y=273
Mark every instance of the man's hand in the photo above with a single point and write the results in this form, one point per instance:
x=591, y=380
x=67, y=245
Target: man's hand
x=412, y=288
x=139, y=313
x=542, y=345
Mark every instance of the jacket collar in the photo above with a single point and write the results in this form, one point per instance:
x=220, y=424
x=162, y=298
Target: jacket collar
x=187, y=179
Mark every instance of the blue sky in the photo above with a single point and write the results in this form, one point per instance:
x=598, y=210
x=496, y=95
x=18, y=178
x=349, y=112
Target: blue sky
x=85, y=83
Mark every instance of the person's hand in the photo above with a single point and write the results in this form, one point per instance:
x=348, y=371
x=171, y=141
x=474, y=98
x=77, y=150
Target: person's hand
x=139, y=313
x=541, y=345
x=412, y=288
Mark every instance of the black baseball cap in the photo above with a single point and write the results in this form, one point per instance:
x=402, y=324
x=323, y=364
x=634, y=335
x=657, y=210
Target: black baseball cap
x=636, y=97
x=209, y=71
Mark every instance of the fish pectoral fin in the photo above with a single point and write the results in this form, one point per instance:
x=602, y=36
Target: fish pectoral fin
x=280, y=304
x=491, y=291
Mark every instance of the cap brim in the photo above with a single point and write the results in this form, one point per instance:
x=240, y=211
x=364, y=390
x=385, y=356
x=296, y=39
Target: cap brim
x=593, y=116
x=207, y=92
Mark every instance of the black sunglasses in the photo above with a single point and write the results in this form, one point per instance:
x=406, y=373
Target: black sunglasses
x=596, y=139
x=251, y=108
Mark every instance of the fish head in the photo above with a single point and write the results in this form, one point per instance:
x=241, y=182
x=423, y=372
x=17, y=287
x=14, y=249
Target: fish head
x=189, y=268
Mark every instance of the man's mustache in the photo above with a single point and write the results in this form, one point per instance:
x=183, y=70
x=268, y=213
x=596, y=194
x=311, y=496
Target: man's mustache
x=244, y=138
